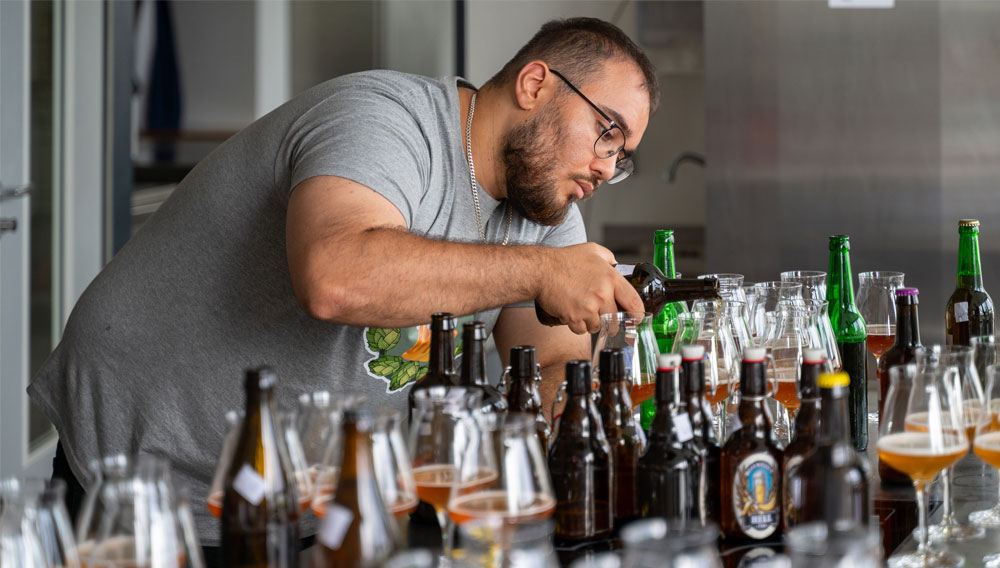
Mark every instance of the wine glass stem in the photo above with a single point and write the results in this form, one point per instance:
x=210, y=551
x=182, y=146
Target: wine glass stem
x=948, y=516
x=445, y=521
x=921, y=517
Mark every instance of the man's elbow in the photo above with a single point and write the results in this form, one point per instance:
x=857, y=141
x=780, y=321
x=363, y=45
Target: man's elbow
x=325, y=301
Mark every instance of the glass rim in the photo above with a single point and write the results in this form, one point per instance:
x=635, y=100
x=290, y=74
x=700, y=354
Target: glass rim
x=625, y=316
x=778, y=285
x=879, y=276
x=989, y=339
x=446, y=395
x=803, y=274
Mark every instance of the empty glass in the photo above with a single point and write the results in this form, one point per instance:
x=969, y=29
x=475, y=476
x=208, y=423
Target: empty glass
x=632, y=333
x=813, y=282
x=987, y=354
x=766, y=298
x=490, y=543
x=655, y=543
x=819, y=545
x=730, y=287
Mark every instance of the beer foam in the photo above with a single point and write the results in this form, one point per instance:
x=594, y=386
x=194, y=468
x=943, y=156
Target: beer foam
x=917, y=444
x=989, y=441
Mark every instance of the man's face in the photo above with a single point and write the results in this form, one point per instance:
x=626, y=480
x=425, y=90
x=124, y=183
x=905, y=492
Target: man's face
x=549, y=160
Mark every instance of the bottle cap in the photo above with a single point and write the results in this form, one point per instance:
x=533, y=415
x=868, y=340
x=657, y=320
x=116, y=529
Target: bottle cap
x=968, y=222
x=754, y=354
x=907, y=292
x=831, y=380
x=813, y=356
x=663, y=236
x=669, y=361
x=611, y=365
x=579, y=379
x=474, y=330
x=442, y=320
x=692, y=352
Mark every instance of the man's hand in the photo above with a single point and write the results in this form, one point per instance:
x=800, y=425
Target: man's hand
x=579, y=283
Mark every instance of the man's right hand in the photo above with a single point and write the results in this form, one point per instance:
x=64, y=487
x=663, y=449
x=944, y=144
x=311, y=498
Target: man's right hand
x=580, y=282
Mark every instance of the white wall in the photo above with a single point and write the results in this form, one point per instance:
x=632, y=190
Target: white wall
x=417, y=36
x=497, y=29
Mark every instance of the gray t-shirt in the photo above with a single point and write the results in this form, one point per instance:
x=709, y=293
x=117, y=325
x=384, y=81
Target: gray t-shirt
x=155, y=350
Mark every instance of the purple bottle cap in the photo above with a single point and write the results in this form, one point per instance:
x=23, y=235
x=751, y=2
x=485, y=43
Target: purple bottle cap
x=907, y=292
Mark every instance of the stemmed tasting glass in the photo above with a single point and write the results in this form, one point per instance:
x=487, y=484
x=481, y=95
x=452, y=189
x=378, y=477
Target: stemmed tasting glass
x=448, y=448
x=987, y=447
x=766, y=298
x=821, y=332
x=632, y=333
x=789, y=336
x=35, y=529
x=234, y=423
x=876, y=301
x=709, y=324
x=813, y=282
x=969, y=391
x=921, y=434
x=393, y=470
x=730, y=287
x=521, y=492
x=987, y=354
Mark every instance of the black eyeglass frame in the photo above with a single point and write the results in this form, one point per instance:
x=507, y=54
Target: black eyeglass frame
x=623, y=166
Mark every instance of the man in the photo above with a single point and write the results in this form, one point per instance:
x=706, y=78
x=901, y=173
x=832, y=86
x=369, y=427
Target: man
x=315, y=239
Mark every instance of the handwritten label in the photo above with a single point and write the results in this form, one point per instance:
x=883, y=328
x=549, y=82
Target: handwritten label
x=336, y=521
x=962, y=311
x=683, y=424
x=250, y=485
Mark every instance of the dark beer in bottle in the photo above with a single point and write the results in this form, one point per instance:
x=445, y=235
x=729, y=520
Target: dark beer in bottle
x=970, y=308
x=473, y=373
x=620, y=429
x=581, y=463
x=522, y=390
x=667, y=477
x=902, y=352
x=751, y=462
x=441, y=361
x=357, y=530
x=705, y=443
x=806, y=426
x=655, y=289
x=851, y=333
x=259, y=505
x=665, y=322
x=831, y=484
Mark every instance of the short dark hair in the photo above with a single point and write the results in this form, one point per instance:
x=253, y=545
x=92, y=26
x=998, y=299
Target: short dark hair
x=578, y=47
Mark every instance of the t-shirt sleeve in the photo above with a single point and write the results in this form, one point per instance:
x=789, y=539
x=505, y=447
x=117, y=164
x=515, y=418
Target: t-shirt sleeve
x=569, y=232
x=366, y=137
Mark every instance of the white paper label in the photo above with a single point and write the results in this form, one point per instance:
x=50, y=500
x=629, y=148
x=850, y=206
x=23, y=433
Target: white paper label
x=625, y=270
x=683, y=424
x=336, y=521
x=250, y=485
x=962, y=311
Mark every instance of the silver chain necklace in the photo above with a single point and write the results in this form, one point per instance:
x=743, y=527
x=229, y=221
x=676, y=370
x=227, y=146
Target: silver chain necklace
x=475, y=185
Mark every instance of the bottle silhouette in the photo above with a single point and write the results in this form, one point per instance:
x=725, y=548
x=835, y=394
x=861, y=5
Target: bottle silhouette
x=902, y=352
x=473, y=369
x=620, y=429
x=969, y=312
x=705, y=442
x=851, y=333
x=665, y=322
x=806, y=427
x=441, y=360
x=522, y=390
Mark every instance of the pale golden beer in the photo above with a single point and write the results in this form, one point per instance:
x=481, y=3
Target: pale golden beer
x=912, y=453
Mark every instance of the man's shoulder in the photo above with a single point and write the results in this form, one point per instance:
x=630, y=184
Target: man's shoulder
x=387, y=83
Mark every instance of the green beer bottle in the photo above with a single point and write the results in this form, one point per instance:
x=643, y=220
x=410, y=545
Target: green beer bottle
x=852, y=334
x=970, y=308
x=664, y=323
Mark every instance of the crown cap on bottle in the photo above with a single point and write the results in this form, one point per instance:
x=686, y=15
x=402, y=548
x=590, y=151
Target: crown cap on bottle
x=813, y=356
x=262, y=378
x=754, y=354
x=474, y=330
x=907, y=292
x=442, y=320
x=669, y=361
x=831, y=380
x=693, y=352
x=663, y=236
x=968, y=222
x=611, y=365
x=579, y=378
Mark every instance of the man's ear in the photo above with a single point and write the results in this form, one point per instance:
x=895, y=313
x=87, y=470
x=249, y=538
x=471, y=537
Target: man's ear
x=534, y=85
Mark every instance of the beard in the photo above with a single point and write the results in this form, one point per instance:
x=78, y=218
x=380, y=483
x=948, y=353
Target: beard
x=528, y=155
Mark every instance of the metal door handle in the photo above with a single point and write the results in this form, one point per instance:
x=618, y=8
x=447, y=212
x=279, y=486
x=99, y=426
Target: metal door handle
x=7, y=224
x=13, y=192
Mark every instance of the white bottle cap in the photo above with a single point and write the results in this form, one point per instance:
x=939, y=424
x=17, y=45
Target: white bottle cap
x=754, y=354
x=813, y=355
x=669, y=361
x=693, y=352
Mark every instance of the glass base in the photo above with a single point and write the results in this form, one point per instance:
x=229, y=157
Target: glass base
x=990, y=518
x=930, y=559
x=954, y=532
x=991, y=561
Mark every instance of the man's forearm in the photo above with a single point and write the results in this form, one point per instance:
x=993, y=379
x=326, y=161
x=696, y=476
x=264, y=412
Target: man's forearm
x=350, y=280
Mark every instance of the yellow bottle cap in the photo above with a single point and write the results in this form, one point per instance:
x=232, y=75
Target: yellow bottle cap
x=830, y=380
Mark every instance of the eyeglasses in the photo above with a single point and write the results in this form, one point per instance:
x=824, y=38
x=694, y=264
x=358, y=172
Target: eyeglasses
x=611, y=141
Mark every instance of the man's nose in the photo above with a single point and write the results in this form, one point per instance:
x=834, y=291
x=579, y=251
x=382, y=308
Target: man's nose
x=603, y=168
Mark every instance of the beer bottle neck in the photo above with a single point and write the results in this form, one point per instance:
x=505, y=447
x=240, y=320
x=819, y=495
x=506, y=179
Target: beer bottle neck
x=442, y=354
x=807, y=381
x=833, y=424
x=473, y=363
x=663, y=258
x=970, y=273
x=848, y=325
x=666, y=389
x=907, y=323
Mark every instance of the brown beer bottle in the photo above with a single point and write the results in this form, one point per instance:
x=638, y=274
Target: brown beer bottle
x=831, y=484
x=441, y=361
x=970, y=309
x=473, y=373
x=667, y=476
x=751, y=462
x=705, y=442
x=902, y=352
x=259, y=504
x=581, y=463
x=357, y=530
x=806, y=426
x=624, y=435
x=522, y=390
x=655, y=289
